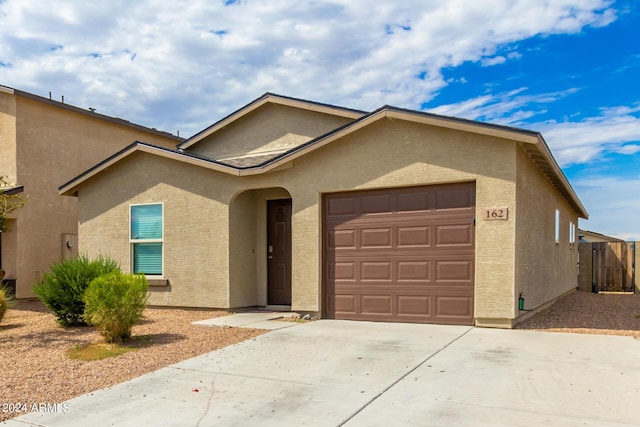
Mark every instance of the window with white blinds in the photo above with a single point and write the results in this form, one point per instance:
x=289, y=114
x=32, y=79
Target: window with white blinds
x=146, y=239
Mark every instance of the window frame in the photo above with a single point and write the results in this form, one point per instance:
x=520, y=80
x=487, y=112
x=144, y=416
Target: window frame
x=557, y=229
x=572, y=233
x=133, y=242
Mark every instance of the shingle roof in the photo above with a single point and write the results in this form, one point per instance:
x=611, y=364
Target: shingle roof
x=533, y=143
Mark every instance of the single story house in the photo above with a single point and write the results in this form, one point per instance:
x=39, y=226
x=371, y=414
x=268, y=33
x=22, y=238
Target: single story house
x=390, y=215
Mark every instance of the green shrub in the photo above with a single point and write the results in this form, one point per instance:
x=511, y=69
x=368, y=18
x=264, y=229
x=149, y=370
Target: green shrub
x=62, y=288
x=6, y=300
x=114, y=303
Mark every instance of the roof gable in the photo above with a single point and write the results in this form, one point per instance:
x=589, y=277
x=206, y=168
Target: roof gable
x=533, y=143
x=318, y=110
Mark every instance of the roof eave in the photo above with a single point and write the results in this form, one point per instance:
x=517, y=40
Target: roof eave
x=71, y=188
x=544, y=160
x=11, y=191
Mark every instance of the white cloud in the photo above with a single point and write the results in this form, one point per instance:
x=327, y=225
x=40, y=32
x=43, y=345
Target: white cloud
x=585, y=140
x=613, y=205
x=184, y=64
x=615, y=130
x=488, y=62
x=629, y=149
x=508, y=108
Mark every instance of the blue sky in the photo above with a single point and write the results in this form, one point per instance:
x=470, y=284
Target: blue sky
x=566, y=68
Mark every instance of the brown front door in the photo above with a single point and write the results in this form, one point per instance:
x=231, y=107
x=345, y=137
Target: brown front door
x=279, y=252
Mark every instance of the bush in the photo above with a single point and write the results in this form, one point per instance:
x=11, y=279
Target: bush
x=63, y=287
x=6, y=300
x=114, y=303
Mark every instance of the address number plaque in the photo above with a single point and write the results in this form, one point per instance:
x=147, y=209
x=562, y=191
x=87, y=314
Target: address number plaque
x=495, y=214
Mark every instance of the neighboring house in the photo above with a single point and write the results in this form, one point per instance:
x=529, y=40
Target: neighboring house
x=43, y=143
x=586, y=236
x=393, y=215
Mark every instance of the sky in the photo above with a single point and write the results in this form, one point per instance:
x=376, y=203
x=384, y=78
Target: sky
x=566, y=68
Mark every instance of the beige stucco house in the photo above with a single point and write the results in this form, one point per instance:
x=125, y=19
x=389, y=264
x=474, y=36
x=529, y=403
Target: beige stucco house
x=43, y=143
x=392, y=215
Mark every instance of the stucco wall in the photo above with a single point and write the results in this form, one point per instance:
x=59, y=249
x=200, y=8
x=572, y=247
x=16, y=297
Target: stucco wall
x=8, y=136
x=396, y=153
x=199, y=255
x=196, y=226
x=242, y=265
x=8, y=169
x=54, y=145
x=545, y=269
x=270, y=127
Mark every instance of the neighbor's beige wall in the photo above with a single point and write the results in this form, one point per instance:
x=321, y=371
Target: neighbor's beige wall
x=268, y=128
x=199, y=256
x=8, y=136
x=545, y=269
x=8, y=169
x=54, y=145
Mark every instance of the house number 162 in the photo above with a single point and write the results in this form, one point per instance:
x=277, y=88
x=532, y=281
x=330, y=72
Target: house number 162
x=495, y=214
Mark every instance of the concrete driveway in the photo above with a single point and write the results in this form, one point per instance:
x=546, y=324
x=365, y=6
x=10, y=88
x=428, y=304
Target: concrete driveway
x=331, y=373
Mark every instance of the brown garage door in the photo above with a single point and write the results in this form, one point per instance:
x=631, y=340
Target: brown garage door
x=400, y=255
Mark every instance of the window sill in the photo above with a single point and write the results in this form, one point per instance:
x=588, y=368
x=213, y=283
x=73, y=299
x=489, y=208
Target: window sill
x=158, y=282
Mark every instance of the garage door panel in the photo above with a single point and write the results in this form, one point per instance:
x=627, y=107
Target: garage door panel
x=455, y=235
x=414, y=305
x=413, y=237
x=454, y=306
x=375, y=271
x=345, y=304
x=376, y=204
x=343, y=206
x=342, y=239
x=376, y=237
x=405, y=255
x=376, y=305
x=343, y=271
x=454, y=271
x=414, y=201
x=413, y=271
x=454, y=198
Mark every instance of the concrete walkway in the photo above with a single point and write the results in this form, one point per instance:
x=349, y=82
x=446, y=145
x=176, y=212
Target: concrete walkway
x=332, y=373
x=251, y=319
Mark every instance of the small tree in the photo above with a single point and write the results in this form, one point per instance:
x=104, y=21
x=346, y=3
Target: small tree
x=62, y=288
x=114, y=302
x=6, y=300
x=8, y=203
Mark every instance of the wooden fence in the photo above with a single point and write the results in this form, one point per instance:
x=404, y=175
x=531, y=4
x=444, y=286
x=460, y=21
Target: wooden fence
x=607, y=266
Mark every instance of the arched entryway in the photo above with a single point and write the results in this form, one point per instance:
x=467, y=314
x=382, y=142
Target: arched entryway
x=260, y=248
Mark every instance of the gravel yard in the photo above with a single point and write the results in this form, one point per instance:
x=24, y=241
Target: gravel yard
x=35, y=369
x=588, y=313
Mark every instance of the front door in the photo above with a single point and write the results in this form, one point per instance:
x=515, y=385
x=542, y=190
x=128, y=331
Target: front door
x=279, y=252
